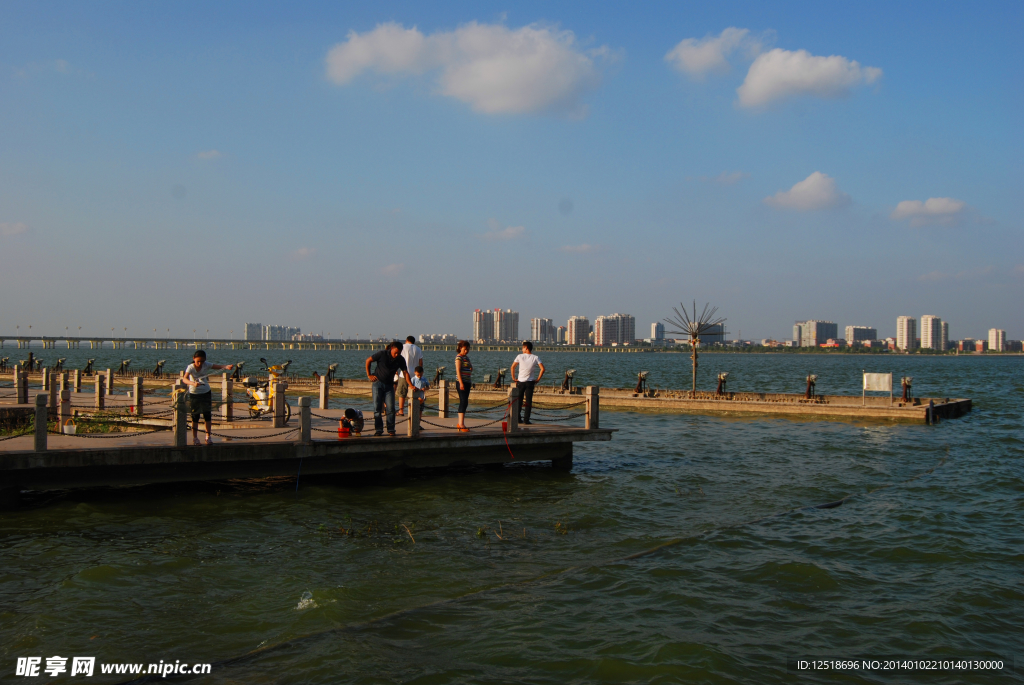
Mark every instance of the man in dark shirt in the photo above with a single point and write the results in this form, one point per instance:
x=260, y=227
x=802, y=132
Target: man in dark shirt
x=389, y=362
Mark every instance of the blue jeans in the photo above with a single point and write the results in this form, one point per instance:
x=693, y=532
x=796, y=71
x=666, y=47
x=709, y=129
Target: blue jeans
x=383, y=395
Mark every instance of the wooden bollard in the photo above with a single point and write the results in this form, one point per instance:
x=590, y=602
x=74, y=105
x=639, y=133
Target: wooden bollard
x=138, y=394
x=180, y=423
x=227, y=391
x=593, y=407
x=78, y=380
x=325, y=392
x=515, y=399
x=414, y=413
x=42, y=416
x=305, y=421
x=442, y=399
x=101, y=391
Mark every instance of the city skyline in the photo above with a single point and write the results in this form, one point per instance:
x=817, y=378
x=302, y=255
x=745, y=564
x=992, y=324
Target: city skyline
x=273, y=143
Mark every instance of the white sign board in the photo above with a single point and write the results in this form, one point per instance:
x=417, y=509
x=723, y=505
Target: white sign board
x=880, y=382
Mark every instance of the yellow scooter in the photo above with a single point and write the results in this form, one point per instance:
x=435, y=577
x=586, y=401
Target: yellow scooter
x=261, y=394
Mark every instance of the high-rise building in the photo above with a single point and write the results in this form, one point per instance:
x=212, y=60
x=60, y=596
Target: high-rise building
x=619, y=329
x=657, y=331
x=254, y=331
x=561, y=335
x=813, y=333
x=945, y=336
x=483, y=325
x=280, y=333
x=906, y=333
x=931, y=333
x=542, y=331
x=857, y=334
x=506, y=325
x=997, y=340
x=578, y=330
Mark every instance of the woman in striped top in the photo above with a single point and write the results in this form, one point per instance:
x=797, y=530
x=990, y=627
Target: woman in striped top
x=464, y=372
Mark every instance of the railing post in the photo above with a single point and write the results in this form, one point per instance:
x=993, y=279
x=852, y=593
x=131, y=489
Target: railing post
x=22, y=384
x=52, y=395
x=442, y=399
x=414, y=413
x=178, y=405
x=101, y=389
x=110, y=382
x=227, y=397
x=42, y=416
x=279, y=402
x=78, y=380
x=137, y=395
x=325, y=392
x=45, y=380
x=593, y=407
x=305, y=421
x=64, y=408
x=515, y=401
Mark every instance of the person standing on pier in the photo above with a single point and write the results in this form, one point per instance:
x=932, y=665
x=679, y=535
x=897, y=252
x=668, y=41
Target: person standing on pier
x=200, y=395
x=528, y=377
x=389, y=363
x=464, y=372
x=413, y=356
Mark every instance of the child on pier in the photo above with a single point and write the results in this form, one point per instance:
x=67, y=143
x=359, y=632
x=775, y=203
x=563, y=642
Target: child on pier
x=421, y=385
x=353, y=420
x=200, y=395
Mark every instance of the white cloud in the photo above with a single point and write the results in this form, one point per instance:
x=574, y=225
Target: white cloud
x=506, y=233
x=490, y=67
x=209, y=154
x=393, y=269
x=700, y=57
x=583, y=248
x=8, y=230
x=817, y=191
x=302, y=253
x=778, y=74
x=934, y=210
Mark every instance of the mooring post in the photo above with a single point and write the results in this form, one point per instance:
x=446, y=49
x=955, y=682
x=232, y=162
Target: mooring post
x=137, y=394
x=52, y=396
x=101, y=390
x=178, y=405
x=279, y=402
x=227, y=392
x=414, y=413
x=325, y=392
x=42, y=416
x=593, y=407
x=305, y=421
x=515, y=401
x=442, y=399
x=78, y=380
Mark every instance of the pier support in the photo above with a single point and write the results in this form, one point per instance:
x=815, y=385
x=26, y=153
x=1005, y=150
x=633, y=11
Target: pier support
x=442, y=399
x=593, y=406
x=305, y=421
x=227, y=391
x=42, y=416
x=325, y=392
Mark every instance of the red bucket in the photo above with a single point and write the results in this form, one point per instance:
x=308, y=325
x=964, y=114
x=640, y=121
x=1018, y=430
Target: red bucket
x=343, y=432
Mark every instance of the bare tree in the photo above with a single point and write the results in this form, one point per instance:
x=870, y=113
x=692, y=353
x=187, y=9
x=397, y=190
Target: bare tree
x=693, y=326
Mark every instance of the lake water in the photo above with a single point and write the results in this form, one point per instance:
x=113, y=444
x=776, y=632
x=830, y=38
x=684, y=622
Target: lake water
x=924, y=558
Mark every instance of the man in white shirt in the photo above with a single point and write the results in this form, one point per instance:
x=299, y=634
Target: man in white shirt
x=530, y=372
x=413, y=356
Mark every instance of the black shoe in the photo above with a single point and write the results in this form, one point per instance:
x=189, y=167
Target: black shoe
x=379, y=433
x=526, y=423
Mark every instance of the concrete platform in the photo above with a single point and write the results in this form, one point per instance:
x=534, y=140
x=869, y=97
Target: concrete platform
x=77, y=462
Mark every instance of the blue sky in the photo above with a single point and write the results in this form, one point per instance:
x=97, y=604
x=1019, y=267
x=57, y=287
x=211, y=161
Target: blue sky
x=386, y=169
